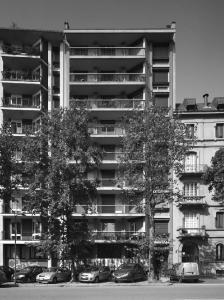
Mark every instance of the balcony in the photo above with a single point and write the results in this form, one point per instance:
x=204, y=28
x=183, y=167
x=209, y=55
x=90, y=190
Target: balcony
x=107, y=51
x=121, y=209
x=18, y=75
x=21, y=50
x=20, y=103
x=119, y=236
x=28, y=236
x=193, y=201
x=112, y=156
x=161, y=239
x=23, y=130
x=107, y=78
x=101, y=104
x=107, y=130
x=108, y=182
x=194, y=169
x=192, y=232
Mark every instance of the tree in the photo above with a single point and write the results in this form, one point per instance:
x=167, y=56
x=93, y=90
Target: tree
x=214, y=176
x=9, y=167
x=154, y=147
x=58, y=159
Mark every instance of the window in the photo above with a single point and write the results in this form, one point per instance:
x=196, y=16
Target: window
x=219, y=252
x=190, y=130
x=161, y=227
x=161, y=100
x=160, y=53
x=191, y=221
x=191, y=162
x=220, y=220
x=191, y=189
x=160, y=77
x=219, y=130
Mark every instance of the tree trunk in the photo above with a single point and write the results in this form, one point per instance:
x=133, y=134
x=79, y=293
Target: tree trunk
x=149, y=224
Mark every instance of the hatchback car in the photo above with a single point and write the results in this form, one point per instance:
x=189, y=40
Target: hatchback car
x=28, y=274
x=95, y=274
x=54, y=275
x=185, y=271
x=129, y=272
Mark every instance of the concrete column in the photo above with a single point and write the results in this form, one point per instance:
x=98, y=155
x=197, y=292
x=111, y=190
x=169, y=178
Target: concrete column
x=1, y=86
x=49, y=77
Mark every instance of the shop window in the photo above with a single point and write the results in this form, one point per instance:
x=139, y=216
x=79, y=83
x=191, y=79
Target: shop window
x=219, y=252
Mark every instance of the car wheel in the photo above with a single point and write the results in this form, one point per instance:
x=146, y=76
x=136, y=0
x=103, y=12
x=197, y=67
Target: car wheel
x=54, y=280
x=96, y=279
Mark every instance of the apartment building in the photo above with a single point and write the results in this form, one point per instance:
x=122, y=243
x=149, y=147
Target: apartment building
x=112, y=72
x=198, y=221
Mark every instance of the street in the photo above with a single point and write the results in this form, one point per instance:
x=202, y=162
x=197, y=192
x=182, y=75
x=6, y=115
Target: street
x=176, y=291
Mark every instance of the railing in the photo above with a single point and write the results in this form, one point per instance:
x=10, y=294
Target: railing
x=107, y=77
x=108, y=182
x=106, y=130
x=191, y=168
x=161, y=238
x=17, y=49
x=192, y=200
x=119, y=235
x=192, y=232
x=20, y=236
x=112, y=155
x=107, y=51
x=108, y=209
x=25, y=129
x=21, y=76
x=21, y=103
x=109, y=103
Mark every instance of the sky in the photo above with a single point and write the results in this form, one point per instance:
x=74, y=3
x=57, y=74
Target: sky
x=199, y=25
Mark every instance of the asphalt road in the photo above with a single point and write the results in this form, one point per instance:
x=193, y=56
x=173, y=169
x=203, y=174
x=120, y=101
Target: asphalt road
x=212, y=291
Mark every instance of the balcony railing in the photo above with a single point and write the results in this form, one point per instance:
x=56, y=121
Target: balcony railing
x=20, y=102
x=197, y=168
x=109, y=103
x=24, y=129
x=112, y=155
x=192, y=200
x=161, y=238
x=21, y=50
x=108, y=209
x=119, y=235
x=108, y=182
x=20, y=236
x=106, y=130
x=107, y=51
x=107, y=77
x=21, y=76
x=192, y=232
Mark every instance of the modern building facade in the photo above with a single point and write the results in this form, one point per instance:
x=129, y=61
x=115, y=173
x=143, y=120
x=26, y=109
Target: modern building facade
x=198, y=221
x=112, y=72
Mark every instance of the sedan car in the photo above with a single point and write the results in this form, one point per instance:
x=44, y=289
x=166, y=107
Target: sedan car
x=95, y=274
x=129, y=272
x=28, y=274
x=54, y=275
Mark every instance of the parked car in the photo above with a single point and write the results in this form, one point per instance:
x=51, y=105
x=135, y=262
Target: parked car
x=185, y=271
x=95, y=274
x=28, y=274
x=129, y=272
x=8, y=272
x=3, y=277
x=54, y=275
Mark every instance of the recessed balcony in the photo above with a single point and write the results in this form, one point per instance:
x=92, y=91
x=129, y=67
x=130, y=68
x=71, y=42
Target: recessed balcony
x=25, y=237
x=106, y=130
x=21, y=50
x=107, y=78
x=119, y=209
x=17, y=75
x=107, y=51
x=109, y=104
x=188, y=201
x=20, y=102
x=118, y=236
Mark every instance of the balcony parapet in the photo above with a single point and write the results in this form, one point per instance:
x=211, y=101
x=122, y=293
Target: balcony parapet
x=108, y=209
x=18, y=75
x=194, y=169
x=106, y=130
x=192, y=201
x=21, y=50
x=120, y=236
x=20, y=236
x=109, y=103
x=107, y=51
x=107, y=77
x=192, y=232
x=24, y=103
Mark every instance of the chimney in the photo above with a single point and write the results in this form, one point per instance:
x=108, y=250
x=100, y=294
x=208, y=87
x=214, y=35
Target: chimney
x=66, y=25
x=205, y=96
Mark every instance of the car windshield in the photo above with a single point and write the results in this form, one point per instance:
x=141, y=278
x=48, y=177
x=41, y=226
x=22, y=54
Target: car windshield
x=51, y=270
x=125, y=267
x=26, y=270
